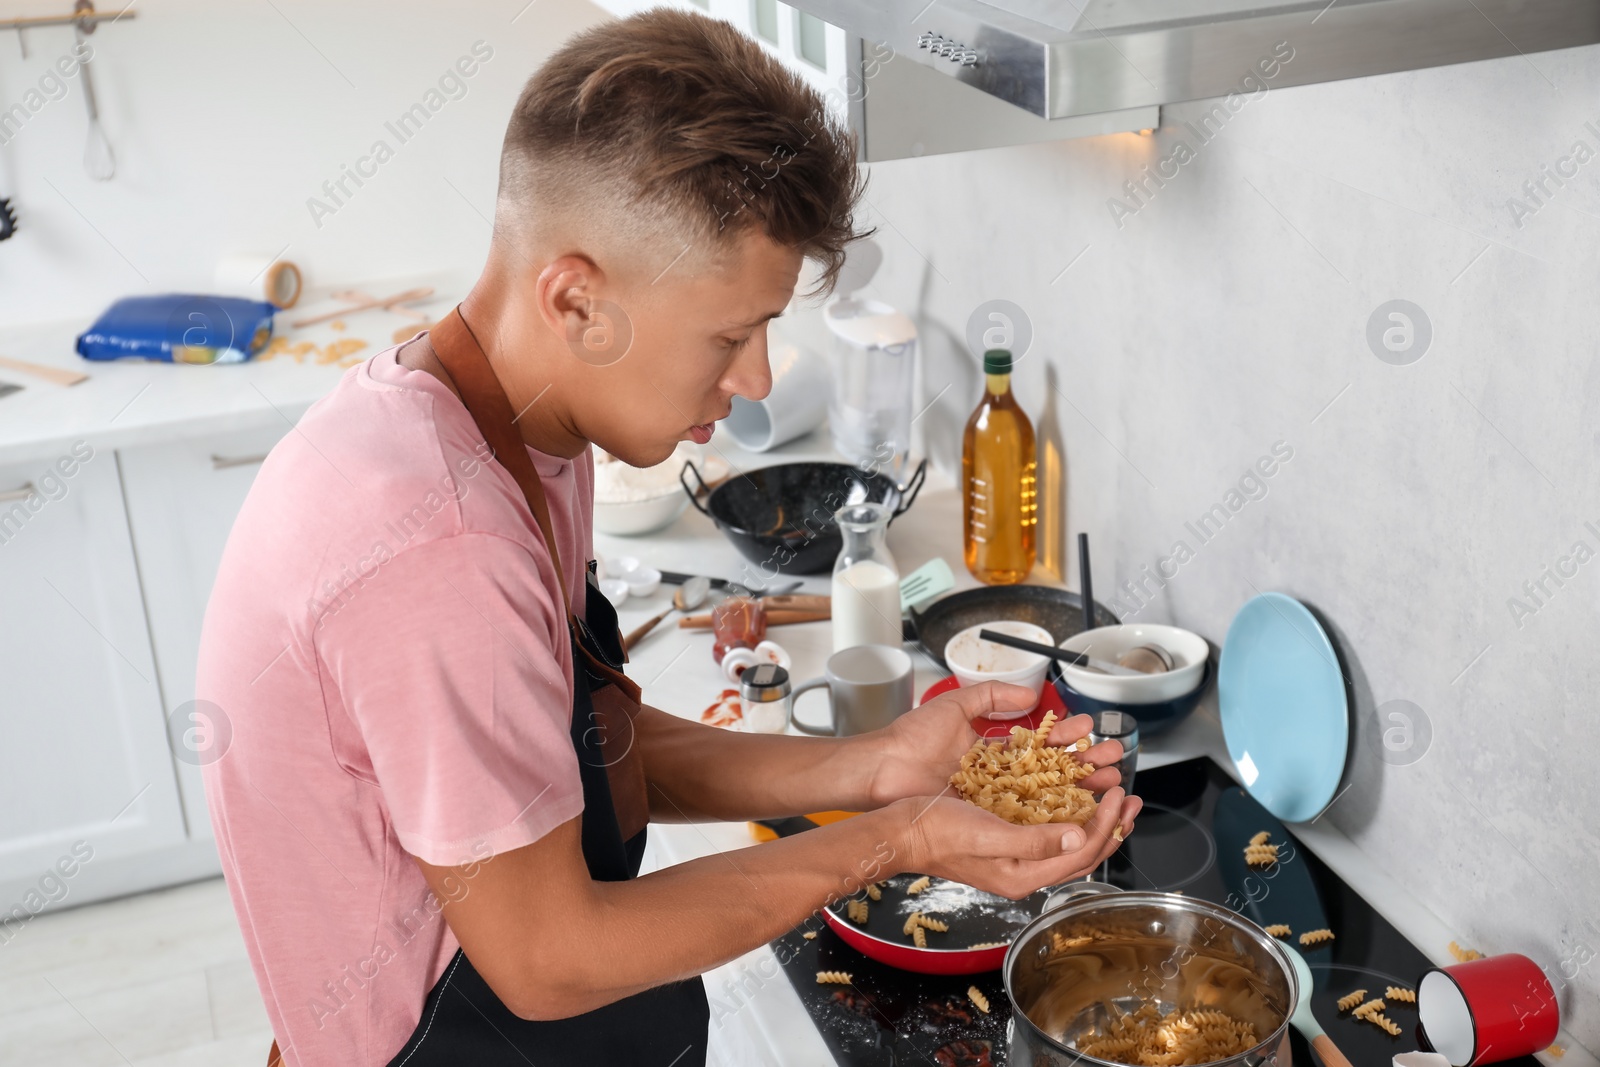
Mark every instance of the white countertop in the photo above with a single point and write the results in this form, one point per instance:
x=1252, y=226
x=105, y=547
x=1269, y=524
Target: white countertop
x=131, y=402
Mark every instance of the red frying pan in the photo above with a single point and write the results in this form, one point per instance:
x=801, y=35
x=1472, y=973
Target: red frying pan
x=981, y=926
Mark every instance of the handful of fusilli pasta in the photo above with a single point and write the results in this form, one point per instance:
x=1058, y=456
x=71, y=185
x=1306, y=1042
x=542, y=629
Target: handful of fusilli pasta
x=1025, y=781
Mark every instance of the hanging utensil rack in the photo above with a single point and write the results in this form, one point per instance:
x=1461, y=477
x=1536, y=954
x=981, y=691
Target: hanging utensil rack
x=89, y=17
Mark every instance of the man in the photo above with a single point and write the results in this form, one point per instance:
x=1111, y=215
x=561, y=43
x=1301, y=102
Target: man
x=432, y=809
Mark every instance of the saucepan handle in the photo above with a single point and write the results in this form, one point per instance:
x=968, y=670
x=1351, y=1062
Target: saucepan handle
x=683, y=480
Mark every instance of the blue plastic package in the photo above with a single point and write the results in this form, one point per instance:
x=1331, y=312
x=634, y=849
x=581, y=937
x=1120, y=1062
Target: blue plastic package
x=179, y=328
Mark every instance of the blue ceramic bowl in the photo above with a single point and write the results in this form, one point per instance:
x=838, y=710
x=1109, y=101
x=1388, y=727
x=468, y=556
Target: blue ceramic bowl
x=1152, y=718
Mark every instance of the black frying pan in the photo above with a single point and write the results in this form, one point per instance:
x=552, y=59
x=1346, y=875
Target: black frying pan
x=1057, y=610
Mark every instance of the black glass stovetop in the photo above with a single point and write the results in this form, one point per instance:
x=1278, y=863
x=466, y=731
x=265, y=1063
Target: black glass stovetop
x=1190, y=838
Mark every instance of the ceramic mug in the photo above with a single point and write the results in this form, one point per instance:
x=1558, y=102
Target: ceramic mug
x=1488, y=1010
x=797, y=404
x=868, y=687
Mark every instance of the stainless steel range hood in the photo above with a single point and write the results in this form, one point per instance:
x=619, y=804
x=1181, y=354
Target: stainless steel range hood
x=1063, y=59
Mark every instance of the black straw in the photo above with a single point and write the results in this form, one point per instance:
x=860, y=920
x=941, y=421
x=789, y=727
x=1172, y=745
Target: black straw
x=1086, y=581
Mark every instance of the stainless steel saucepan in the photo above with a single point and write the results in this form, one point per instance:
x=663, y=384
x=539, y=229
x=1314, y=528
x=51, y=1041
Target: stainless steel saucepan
x=1096, y=953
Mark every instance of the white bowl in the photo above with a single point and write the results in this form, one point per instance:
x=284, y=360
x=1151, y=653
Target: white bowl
x=1188, y=651
x=643, y=581
x=634, y=517
x=973, y=660
x=615, y=590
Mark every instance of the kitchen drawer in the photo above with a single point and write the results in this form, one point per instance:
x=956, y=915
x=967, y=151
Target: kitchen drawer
x=84, y=756
x=182, y=498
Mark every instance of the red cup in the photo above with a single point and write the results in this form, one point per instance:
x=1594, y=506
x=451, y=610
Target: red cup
x=1488, y=1010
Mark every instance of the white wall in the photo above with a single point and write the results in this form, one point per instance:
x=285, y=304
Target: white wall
x=1225, y=316
x=226, y=118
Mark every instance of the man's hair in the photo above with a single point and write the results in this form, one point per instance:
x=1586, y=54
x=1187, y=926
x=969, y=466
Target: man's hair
x=671, y=128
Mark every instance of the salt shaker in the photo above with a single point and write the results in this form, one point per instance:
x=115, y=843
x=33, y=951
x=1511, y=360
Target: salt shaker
x=1123, y=727
x=764, y=697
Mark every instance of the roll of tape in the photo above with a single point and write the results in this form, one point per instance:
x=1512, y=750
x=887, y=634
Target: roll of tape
x=277, y=281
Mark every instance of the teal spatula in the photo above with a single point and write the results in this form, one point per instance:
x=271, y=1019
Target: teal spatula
x=926, y=582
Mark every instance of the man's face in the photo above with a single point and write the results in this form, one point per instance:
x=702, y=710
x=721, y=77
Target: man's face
x=698, y=340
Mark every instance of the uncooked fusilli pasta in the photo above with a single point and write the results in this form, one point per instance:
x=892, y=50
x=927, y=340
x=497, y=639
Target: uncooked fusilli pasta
x=1260, y=855
x=919, y=885
x=1261, y=837
x=857, y=910
x=874, y=892
x=1024, y=780
x=1316, y=937
x=979, y=1001
x=1383, y=1022
x=1371, y=1007
x=1401, y=994
x=919, y=937
x=1464, y=955
x=1351, y=999
x=833, y=978
x=1279, y=930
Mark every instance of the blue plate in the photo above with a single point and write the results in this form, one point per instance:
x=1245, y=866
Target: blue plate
x=1285, y=713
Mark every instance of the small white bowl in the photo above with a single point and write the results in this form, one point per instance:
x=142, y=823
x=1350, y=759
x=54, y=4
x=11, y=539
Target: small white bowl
x=615, y=590
x=643, y=581
x=1188, y=651
x=973, y=660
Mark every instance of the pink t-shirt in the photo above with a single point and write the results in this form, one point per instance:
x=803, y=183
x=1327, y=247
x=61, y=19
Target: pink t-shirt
x=384, y=644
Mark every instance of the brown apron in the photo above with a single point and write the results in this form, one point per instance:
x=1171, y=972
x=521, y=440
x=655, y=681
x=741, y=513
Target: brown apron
x=462, y=1020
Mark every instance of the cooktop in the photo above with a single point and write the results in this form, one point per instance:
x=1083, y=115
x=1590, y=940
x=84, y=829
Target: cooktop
x=889, y=1017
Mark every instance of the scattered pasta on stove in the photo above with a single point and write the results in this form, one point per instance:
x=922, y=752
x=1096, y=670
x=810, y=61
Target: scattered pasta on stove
x=874, y=892
x=919, y=936
x=1024, y=780
x=919, y=885
x=834, y=978
x=979, y=1001
x=1260, y=855
x=1383, y=1022
x=1316, y=937
x=1351, y=999
x=1556, y=1051
x=1183, y=1037
x=1279, y=930
x=857, y=911
x=1371, y=1007
x=1401, y=994
x=1464, y=955
x=1261, y=837
x=810, y=935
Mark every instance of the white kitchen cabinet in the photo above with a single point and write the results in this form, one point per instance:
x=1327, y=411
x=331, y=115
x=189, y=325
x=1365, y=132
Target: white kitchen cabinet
x=182, y=498
x=83, y=752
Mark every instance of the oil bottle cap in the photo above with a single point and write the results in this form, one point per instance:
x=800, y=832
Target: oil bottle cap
x=997, y=361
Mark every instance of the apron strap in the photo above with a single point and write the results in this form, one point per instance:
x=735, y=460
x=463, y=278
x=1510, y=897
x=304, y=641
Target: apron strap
x=486, y=401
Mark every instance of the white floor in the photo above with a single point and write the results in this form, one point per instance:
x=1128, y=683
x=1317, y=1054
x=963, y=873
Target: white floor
x=155, y=980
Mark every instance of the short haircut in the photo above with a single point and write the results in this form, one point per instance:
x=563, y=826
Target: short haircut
x=671, y=128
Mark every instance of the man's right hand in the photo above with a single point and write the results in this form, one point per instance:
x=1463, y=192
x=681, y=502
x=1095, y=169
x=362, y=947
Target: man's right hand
x=952, y=838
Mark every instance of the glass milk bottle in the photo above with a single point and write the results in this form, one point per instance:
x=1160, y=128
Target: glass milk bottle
x=866, y=583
